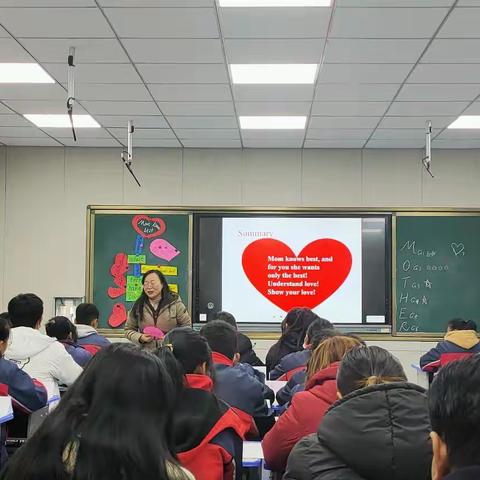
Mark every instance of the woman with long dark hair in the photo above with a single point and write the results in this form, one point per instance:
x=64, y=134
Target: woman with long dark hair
x=157, y=307
x=107, y=427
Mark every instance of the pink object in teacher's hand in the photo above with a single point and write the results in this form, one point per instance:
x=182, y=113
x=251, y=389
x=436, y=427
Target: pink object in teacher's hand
x=153, y=332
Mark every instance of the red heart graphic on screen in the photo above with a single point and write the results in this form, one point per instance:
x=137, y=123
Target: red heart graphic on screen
x=148, y=227
x=325, y=266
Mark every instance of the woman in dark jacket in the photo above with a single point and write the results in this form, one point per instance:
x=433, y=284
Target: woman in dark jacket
x=379, y=429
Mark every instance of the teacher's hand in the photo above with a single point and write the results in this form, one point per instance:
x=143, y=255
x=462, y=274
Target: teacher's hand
x=146, y=339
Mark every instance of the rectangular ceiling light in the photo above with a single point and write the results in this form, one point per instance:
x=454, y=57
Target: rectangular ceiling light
x=275, y=3
x=61, y=121
x=466, y=121
x=23, y=73
x=273, y=123
x=288, y=73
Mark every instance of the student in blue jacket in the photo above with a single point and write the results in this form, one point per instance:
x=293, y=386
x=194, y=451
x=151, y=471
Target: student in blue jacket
x=27, y=395
x=86, y=321
x=461, y=338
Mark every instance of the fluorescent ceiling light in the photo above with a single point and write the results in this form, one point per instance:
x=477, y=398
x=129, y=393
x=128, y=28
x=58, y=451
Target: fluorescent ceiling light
x=288, y=73
x=23, y=73
x=61, y=121
x=466, y=121
x=275, y=3
x=273, y=123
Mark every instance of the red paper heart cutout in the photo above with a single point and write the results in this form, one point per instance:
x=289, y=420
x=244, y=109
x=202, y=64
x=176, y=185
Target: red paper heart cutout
x=120, y=265
x=116, y=292
x=148, y=227
x=118, y=315
x=325, y=266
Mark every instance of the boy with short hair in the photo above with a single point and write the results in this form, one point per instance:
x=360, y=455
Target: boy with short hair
x=454, y=403
x=86, y=320
x=234, y=382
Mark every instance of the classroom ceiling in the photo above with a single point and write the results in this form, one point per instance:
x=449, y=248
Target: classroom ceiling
x=389, y=66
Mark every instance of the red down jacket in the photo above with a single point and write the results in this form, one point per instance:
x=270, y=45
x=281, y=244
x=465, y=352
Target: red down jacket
x=301, y=418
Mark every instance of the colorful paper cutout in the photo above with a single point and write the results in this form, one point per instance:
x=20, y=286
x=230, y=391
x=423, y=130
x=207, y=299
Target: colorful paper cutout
x=137, y=271
x=148, y=227
x=173, y=287
x=154, y=332
x=114, y=292
x=165, y=269
x=118, y=315
x=139, y=245
x=137, y=259
x=120, y=265
x=163, y=249
x=134, y=288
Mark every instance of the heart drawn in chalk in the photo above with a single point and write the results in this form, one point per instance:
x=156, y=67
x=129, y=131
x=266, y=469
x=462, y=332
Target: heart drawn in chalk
x=458, y=249
x=148, y=227
x=314, y=275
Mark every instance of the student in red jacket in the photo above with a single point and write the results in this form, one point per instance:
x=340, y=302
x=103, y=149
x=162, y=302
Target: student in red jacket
x=307, y=408
x=208, y=433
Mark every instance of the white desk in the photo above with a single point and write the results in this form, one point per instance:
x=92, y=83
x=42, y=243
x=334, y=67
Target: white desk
x=253, y=458
x=422, y=377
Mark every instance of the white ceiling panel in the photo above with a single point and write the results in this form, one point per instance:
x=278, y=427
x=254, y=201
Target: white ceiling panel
x=164, y=22
x=28, y=132
x=191, y=92
x=386, y=22
x=474, y=109
x=456, y=134
x=112, y=91
x=82, y=133
x=55, y=22
x=199, y=133
x=273, y=134
x=415, y=122
x=120, y=108
x=120, y=121
x=3, y=32
x=266, y=143
x=438, y=92
x=401, y=133
x=91, y=142
x=274, y=22
x=364, y=73
x=95, y=73
x=453, y=51
x=87, y=50
x=273, y=108
x=11, y=51
x=445, y=73
x=32, y=91
x=279, y=93
x=13, y=121
x=468, y=3
x=456, y=144
x=203, y=122
x=403, y=143
x=207, y=143
x=156, y=3
x=394, y=3
x=350, y=109
x=410, y=109
x=174, y=51
x=143, y=133
x=33, y=142
x=157, y=142
x=462, y=22
x=183, y=73
x=47, y=3
x=42, y=106
x=5, y=110
x=341, y=134
x=343, y=122
x=197, y=108
x=356, y=92
x=337, y=143
x=374, y=50
x=274, y=51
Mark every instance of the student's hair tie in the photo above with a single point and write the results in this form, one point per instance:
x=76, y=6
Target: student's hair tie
x=169, y=346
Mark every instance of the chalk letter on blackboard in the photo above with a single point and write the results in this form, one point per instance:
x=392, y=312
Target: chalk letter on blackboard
x=405, y=281
x=403, y=298
x=402, y=315
x=409, y=245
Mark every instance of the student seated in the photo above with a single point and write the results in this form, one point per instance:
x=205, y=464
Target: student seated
x=107, y=426
x=294, y=328
x=86, y=320
x=27, y=395
x=208, y=434
x=454, y=402
x=40, y=356
x=460, y=340
x=296, y=361
x=378, y=430
x=235, y=382
x=65, y=332
x=244, y=344
x=307, y=409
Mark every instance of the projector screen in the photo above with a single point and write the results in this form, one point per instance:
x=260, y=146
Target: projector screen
x=260, y=267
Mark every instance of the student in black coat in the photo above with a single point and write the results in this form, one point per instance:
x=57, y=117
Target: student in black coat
x=454, y=402
x=378, y=430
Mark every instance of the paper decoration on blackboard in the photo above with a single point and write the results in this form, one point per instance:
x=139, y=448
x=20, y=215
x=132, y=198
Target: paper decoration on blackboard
x=118, y=315
x=173, y=287
x=163, y=249
x=120, y=265
x=137, y=271
x=148, y=227
x=115, y=292
x=139, y=245
x=134, y=288
x=167, y=270
x=136, y=259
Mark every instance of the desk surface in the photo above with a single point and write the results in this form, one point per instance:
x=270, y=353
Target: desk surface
x=252, y=454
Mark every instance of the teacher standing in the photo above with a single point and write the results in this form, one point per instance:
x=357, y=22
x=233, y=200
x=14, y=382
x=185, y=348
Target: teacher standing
x=158, y=307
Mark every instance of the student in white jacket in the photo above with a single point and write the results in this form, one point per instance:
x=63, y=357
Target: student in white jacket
x=40, y=356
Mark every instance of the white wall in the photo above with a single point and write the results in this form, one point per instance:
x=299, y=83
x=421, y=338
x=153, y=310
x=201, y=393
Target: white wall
x=44, y=193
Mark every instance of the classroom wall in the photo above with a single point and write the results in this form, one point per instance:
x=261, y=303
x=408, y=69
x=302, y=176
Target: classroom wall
x=44, y=193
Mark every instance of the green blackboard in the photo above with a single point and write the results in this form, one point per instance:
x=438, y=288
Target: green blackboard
x=437, y=271
x=123, y=246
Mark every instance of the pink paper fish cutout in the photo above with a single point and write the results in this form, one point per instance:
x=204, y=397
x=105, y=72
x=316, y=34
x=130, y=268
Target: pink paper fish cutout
x=163, y=249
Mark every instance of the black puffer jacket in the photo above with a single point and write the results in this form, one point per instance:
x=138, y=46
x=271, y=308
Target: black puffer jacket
x=376, y=433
